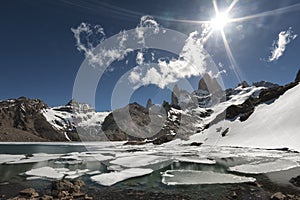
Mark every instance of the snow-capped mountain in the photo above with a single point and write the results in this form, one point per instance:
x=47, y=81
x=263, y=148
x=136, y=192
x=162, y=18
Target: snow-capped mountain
x=272, y=125
x=260, y=115
x=76, y=117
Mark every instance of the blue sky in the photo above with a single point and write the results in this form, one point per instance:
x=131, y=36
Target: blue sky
x=39, y=59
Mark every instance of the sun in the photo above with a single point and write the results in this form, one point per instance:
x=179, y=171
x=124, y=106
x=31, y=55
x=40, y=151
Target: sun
x=220, y=21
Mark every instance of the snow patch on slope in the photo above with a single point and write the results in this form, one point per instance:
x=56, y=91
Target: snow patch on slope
x=270, y=126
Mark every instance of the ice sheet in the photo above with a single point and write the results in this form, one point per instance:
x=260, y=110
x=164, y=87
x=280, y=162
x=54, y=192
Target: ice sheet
x=39, y=157
x=55, y=173
x=46, y=172
x=260, y=167
x=192, y=177
x=112, y=178
x=10, y=158
x=139, y=161
x=195, y=160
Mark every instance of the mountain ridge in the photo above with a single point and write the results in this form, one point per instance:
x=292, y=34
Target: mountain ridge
x=26, y=119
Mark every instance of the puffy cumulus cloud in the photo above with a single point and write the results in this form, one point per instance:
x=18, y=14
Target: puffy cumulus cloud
x=191, y=62
x=279, y=46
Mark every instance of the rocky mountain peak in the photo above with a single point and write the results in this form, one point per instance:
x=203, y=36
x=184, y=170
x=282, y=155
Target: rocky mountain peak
x=297, y=79
x=149, y=103
x=265, y=84
x=209, y=84
x=175, y=95
x=243, y=84
x=24, y=118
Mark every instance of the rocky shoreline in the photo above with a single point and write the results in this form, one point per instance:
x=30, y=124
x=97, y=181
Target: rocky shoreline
x=77, y=189
x=60, y=189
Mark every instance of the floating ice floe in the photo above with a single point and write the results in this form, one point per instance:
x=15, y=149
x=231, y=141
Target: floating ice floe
x=10, y=158
x=195, y=160
x=115, y=168
x=260, y=167
x=55, y=173
x=192, y=177
x=45, y=172
x=94, y=172
x=39, y=157
x=75, y=174
x=139, y=161
x=112, y=178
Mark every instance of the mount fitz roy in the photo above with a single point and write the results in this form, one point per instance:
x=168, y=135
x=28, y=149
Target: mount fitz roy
x=263, y=115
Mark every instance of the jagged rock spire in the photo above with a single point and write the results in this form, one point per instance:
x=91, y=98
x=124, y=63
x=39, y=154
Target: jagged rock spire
x=209, y=84
x=175, y=95
x=149, y=103
x=297, y=79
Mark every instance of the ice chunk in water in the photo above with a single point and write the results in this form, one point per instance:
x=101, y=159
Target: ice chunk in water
x=192, y=177
x=260, y=167
x=39, y=157
x=112, y=178
x=46, y=172
x=196, y=160
x=55, y=173
x=139, y=161
x=10, y=158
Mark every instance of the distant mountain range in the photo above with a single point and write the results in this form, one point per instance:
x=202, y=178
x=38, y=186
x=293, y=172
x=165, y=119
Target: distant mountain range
x=206, y=114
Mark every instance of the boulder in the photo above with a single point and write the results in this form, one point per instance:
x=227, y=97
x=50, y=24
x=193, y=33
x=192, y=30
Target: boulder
x=295, y=181
x=278, y=196
x=29, y=192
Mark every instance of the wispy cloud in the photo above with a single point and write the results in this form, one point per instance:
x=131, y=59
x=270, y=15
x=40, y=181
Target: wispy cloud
x=279, y=46
x=88, y=37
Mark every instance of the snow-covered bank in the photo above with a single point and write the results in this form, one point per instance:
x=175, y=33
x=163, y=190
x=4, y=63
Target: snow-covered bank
x=274, y=125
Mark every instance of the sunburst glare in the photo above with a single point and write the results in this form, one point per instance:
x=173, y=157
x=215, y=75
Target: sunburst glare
x=220, y=21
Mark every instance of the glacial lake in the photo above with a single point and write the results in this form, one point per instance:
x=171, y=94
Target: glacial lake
x=175, y=167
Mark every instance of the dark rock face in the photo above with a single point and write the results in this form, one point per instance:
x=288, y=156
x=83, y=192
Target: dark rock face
x=275, y=92
x=245, y=109
x=149, y=104
x=136, y=124
x=265, y=84
x=209, y=92
x=22, y=120
x=209, y=84
x=138, y=114
x=243, y=84
x=175, y=96
x=297, y=79
x=295, y=181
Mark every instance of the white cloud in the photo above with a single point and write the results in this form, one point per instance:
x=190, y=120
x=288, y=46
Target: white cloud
x=88, y=37
x=216, y=75
x=191, y=62
x=146, y=21
x=140, y=58
x=279, y=46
